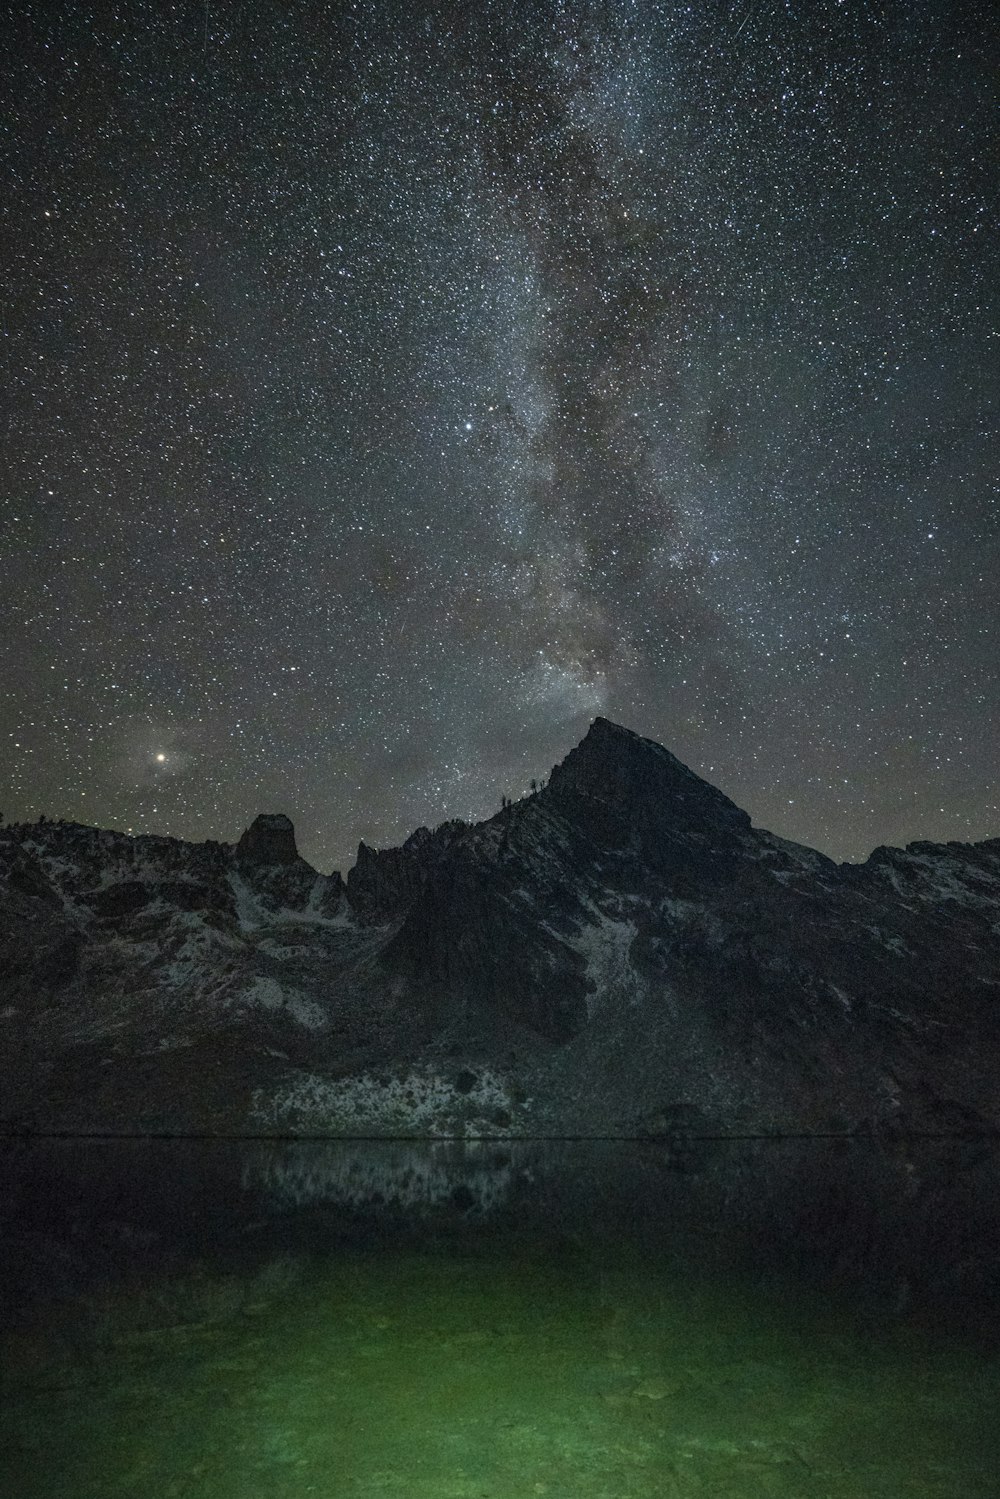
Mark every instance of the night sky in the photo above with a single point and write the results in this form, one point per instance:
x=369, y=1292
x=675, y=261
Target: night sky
x=388, y=390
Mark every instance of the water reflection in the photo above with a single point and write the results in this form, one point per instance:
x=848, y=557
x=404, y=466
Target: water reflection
x=480, y=1319
x=910, y=1219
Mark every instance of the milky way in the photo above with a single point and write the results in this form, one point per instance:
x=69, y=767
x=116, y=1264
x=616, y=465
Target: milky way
x=389, y=390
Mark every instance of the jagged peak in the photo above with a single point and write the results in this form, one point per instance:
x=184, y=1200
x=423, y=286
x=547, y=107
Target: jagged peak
x=601, y=725
x=615, y=765
x=604, y=733
x=277, y=821
x=270, y=839
x=424, y=838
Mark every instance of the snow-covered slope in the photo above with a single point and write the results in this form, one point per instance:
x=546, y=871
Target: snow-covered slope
x=621, y=952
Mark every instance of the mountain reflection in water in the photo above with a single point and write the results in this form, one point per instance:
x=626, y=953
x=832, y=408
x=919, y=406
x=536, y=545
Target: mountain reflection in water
x=223, y=1319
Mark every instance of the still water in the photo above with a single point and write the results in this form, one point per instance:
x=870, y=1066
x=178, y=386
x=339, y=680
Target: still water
x=607, y=1320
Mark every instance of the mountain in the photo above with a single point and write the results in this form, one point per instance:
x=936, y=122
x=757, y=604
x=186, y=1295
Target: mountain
x=621, y=952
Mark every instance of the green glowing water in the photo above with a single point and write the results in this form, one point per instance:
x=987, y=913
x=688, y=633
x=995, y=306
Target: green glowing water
x=445, y=1351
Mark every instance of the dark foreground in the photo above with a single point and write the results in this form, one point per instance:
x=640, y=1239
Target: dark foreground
x=431, y=1320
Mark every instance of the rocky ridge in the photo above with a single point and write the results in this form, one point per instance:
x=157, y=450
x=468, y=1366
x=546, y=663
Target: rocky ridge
x=622, y=952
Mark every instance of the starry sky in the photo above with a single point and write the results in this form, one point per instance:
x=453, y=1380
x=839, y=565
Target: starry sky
x=391, y=388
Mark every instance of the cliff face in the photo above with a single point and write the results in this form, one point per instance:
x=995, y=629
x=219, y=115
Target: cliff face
x=620, y=953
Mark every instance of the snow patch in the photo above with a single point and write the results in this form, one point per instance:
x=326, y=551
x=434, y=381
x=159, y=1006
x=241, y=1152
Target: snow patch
x=844, y=999
x=248, y=912
x=943, y=881
x=937, y=879
x=266, y=993
x=313, y=913
x=605, y=946
x=190, y=959
x=893, y=944
x=252, y=915
x=419, y=1102
x=173, y=1043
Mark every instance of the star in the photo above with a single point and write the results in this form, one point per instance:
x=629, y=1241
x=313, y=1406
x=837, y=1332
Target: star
x=717, y=294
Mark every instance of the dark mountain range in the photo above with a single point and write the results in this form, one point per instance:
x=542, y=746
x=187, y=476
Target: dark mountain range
x=619, y=953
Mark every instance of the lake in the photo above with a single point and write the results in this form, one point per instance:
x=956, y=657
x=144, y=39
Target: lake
x=500, y=1320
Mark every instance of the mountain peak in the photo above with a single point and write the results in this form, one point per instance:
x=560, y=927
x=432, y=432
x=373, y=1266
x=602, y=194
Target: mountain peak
x=606, y=731
x=270, y=839
x=601, y=725
x=615, y=775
